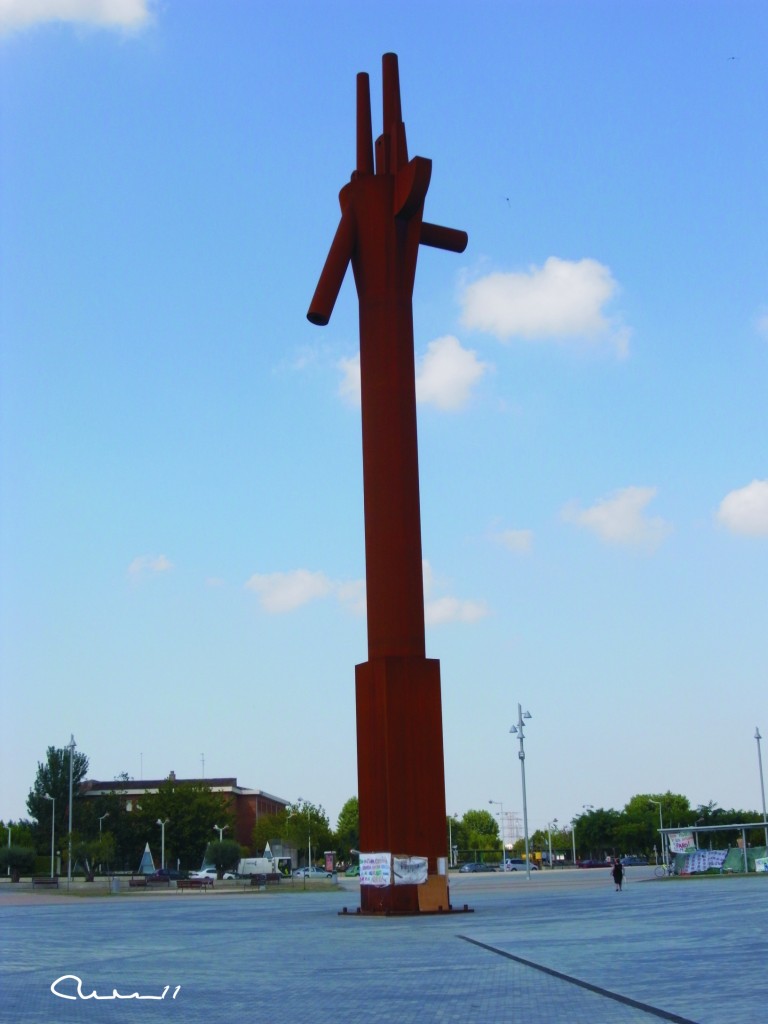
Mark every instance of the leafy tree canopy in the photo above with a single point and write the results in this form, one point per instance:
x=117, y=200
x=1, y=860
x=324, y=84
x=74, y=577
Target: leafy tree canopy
x=348, y=829
x=52, y=778
x=269, y=828
x=224, y=855
x=305, y=821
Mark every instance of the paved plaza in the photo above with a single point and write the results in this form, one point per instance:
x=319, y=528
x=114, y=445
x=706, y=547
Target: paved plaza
x=562, y=947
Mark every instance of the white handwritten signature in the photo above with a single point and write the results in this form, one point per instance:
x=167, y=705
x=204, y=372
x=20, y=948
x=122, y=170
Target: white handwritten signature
x=95, y=995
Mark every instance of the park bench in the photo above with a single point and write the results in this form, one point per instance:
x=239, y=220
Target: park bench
x=46, y=881
x=162, y=880
x=138, y=882
x=194, y=883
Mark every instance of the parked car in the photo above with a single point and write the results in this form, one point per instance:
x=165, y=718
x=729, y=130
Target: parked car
x=475, y=866
x=169, y=873
x=592, y=864
x=633, y=861
x=312, y=873
x=211, y=873
x=518, y=864
x=353, y=871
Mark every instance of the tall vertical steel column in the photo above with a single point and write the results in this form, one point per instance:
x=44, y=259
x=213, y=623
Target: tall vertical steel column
x=401, y=784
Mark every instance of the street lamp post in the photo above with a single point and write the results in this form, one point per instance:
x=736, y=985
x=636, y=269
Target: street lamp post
x=221, y=830
x=53, y=825
x=103, y=816
x=573, y=840
x=72, y=746
x=162, y=825
x=550, y=826
x=518, y=731
x=758, y=737
x=501, y=830
x=451, y=859
x=8, y=827
x=309, y=839
x=661, y=831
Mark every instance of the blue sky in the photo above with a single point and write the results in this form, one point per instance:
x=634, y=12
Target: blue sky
x=182, y=533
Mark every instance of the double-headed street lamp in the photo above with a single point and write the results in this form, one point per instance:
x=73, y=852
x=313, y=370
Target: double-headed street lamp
x=72, y=746
x=221, y=830
x=661, y=831
x=550, y=826
x=518, y=731
x=501, y=824
x=758, y=737
x=53, y=825
x=162, y=825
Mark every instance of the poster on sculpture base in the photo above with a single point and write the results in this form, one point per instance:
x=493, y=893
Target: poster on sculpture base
x=410, y=870
x=376, y=869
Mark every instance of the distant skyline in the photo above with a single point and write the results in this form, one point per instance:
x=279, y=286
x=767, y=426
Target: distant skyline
x=181, y=548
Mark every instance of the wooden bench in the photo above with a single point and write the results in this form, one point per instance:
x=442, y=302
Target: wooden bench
x=161, y=880
x=138, y=882
x=46, y=881
x=194, y=883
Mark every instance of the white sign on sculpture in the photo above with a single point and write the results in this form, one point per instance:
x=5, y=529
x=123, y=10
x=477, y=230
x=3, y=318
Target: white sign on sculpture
x=376, y=869
x=410, y=870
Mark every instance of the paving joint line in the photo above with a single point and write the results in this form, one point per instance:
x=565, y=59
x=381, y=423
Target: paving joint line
x=626, y=1000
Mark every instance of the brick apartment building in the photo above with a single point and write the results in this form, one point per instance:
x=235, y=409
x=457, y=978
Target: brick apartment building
x=248, y=805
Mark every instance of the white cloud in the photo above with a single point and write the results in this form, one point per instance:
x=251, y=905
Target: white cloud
x=144, y=565
x=620, y=518
x=281, y=592
x=444, y=377
x=563, y=299
x=447, y=373
x=517, y=541
x=286, y=591
x=452, y=609
x=352, y=596
x=121, y=14
x=746, y=510
x=349, y=389
x=439, y=610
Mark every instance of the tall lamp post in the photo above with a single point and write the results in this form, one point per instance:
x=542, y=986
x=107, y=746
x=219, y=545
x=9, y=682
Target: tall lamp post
x=8, y=827
x=162, y=825
x=451, y=859
x=550, y=826
x=517, y=730
x=221, y=829
x=573, y=840
x=758, y=737
x=72, y=746
x=53, y=825
x=661, y=831
x=501, y=830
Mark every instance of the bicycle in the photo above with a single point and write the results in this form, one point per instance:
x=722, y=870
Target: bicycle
x=664, y=871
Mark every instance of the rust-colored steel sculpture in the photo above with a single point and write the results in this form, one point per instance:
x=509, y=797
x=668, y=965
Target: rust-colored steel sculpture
x=401, y=784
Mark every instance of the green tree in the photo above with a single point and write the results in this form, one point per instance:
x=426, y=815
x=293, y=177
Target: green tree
x=269, y=828
x=52, y=778
x=20, y=859
x=22, y=833
x=224, y=855
x=478, y=833
x=190, y=811
x=305, y=822
x=347, y=836
x=596, y=833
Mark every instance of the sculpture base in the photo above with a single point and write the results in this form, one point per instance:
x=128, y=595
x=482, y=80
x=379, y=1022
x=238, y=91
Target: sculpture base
x=401, y=783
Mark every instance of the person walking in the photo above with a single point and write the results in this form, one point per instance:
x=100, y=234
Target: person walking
x=618, y=874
